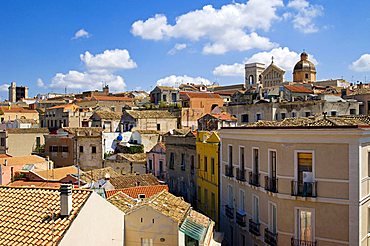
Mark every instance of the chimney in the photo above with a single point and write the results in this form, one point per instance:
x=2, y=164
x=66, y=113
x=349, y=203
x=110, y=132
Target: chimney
x=65, y=199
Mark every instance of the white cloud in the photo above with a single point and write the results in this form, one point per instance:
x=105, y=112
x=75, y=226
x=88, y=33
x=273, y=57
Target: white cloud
x=4, y=87
x=82, y=33
x=87, y=81
x=232, y=27
x=40, y=83
x=99, y=69
x=108, y=60
x=176, y=48
x=303, y=15
x=283, y=58
x=175, y=81
x=362, y=64
x=236, y=69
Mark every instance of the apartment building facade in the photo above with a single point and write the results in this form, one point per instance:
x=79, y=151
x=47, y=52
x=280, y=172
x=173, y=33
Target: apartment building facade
x=296, y=182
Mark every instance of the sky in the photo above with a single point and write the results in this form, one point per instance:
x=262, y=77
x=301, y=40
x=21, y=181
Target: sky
x=75, y=46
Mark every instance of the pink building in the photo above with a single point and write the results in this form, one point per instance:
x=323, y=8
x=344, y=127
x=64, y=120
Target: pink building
x=156, y=161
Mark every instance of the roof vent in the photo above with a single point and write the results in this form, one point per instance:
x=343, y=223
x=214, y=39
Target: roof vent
x=65, y=199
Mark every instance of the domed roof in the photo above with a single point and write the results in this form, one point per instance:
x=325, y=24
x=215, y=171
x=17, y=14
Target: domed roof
x=304, y=64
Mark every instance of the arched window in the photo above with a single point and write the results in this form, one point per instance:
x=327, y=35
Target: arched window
x=251, y=79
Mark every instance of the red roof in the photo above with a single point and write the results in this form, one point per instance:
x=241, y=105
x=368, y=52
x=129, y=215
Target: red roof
x=225, y=116
x=298, y=89
x=25, y=183
x=111, y=98
x=191, y=94
x=13, y=109
x=134, y=192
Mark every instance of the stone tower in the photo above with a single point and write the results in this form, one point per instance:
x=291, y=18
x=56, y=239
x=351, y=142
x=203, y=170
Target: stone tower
x=253, y=73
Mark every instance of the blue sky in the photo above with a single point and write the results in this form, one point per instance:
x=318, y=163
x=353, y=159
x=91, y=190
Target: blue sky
x=53, y=45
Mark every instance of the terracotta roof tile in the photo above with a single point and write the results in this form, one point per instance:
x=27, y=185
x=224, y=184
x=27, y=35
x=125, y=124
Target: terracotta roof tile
x=111, y=98
x=25, y=183
x=134, y=192
x=149, y=114
x=298, y=89
x=14, y=109
x=33, y=225
x=56, y=174
x=97, y=174
x=190, y=94
x=23, y=160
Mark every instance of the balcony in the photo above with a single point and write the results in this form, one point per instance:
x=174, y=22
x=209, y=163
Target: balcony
x=240, y=174
x=271, y=184
x=229, y=212
x=229, y=171
x=270, y=237
x=241, y=218
x=297, y=242
x=304, y=189
x=254, y=179
x=254, y=227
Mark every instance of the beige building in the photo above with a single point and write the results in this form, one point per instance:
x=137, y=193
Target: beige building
x=67, y=115
x=16, y=93
x=11, y=113
x=296, y=182
x=127, y=163
x=158, y=120
x=22, y=141
x=163, y=219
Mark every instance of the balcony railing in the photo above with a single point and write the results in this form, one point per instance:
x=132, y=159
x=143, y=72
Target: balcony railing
x=241, y=218
x=270, y=237
x=304, y=189
x=240, y=174
x=229, y=171
x=297, y=242
x=254, y=227
x=254, y=179
x=229, y=211
x=271, y=184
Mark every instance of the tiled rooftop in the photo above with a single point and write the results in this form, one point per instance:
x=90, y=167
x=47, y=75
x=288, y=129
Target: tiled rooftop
x=15, y=109
x=190, y=94
x=137, y=158
x=132, y=180
x=298, y=89
x=27, y=130
x=134, y=192
x=56, y=174
x=26, y=215
x=108, y=115
x=315, y=121
x=164, y=202
x=22, y=160
x=97, y=174
x=26, y=183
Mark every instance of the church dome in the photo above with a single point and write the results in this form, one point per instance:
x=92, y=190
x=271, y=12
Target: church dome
x=304, y=64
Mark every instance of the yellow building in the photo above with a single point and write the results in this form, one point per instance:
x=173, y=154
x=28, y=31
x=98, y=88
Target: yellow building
x=207, y=175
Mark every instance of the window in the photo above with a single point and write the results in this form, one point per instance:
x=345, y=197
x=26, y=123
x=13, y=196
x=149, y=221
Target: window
x=255, y=160
x=141, y=196
x=38, y=141
x=304, y=225
x=272, y=217
x=245, y=118
x=258, y=117
x=93, y=149
x=198, y=163
x=53, y=148
x=306, y=75
x=150, y=165
x=352, y=111
x=212, y=166
x=242, y=200
x=172, y=161
x=192, y=161
x=182, y=161
x=213, y=205
x=255, y=209
x=294, y=114
x=64, y=148
x=333, y=113
x=282, y=116
x=158, y=127
x=174, y=97
x=307, y=114
x=230, y=196
x=230, y=155
x=2, y=141
x=199, y=194
x=164, y=98
x=146, y=242
x=205, y=163
x=206, y=198
x=81, y=149
x=113, y=109
x=305, y=167
x=241, y=158
x=272, y=167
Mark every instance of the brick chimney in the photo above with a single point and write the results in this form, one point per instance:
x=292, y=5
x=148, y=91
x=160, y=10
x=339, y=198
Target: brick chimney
x=65, y=199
